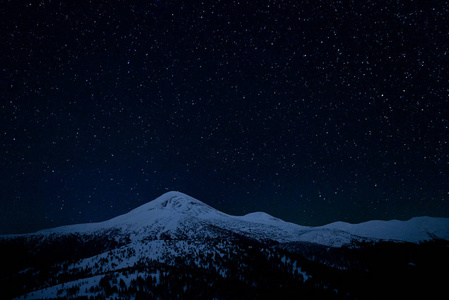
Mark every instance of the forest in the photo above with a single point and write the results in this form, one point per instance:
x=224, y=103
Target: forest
x=237, y=269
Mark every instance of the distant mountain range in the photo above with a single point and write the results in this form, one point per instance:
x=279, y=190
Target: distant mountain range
x=177, y=246
x=178, y=215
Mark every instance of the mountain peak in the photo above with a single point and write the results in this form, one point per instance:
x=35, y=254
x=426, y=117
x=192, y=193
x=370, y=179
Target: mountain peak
x=260, y=216
x=174, y=197
x=170, y=204
x=179, y=202
x=174, y=213
x=171, y=194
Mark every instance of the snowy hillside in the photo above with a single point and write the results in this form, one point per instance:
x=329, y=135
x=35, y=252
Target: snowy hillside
x=178, y=215
x=414, y=230
x=177, y=245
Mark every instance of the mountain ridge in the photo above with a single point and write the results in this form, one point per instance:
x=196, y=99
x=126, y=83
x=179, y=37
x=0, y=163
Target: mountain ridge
x=178, y=245
x=178, y=214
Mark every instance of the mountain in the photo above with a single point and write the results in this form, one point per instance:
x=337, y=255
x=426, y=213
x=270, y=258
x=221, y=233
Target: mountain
x=180, y=216
x=178, y=246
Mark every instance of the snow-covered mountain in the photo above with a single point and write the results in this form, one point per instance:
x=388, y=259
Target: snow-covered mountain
x=177, y=245
x=179, y=216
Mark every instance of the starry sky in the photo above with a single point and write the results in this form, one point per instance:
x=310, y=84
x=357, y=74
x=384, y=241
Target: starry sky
x=312, y=111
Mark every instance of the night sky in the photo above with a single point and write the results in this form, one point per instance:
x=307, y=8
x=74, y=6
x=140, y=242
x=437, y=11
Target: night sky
x=312, y=111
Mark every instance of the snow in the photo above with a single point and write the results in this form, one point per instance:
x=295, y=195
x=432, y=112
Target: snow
x=60, y=290
x=415, y=230
x=300, y=271
x=260, y=217
x=180, y=216
x=176, y=225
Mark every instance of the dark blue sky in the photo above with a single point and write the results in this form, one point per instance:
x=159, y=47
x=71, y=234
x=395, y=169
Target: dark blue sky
x=312, y=111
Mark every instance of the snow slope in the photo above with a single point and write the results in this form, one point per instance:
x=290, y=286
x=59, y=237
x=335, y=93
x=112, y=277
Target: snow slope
x=176, y=229
x=414, y=230
x=180, y=216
